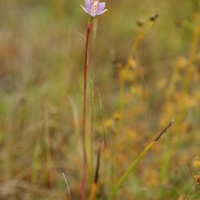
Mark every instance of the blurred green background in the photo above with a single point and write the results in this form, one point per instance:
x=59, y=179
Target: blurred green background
x=41, y=89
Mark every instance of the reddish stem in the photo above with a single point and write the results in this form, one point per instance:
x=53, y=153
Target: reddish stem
x=83, y=182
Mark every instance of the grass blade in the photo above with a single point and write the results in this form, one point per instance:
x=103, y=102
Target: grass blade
x=134, y=164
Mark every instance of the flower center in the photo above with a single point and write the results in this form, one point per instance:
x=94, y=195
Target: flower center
x=94, y=6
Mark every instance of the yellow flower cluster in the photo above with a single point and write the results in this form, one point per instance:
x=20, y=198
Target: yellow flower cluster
x=196, y=167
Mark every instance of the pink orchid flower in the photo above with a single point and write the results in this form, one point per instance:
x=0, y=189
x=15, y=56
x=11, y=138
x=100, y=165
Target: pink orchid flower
x=94, y=7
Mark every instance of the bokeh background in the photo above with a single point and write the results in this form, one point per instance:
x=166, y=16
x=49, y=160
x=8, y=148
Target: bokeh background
x=41, y=94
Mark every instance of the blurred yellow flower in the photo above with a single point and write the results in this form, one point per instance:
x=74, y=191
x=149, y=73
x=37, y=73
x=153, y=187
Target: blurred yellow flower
x=109, y=123
x=181, y=62
x=196, y=163
x=197, y=179
x=117, y=116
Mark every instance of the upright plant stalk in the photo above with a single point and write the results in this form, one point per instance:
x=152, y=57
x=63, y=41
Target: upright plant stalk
x=92, y=127
x=191, y=60
x=83, y=182
x=134, y=164
x=130, y=59
x=95, y=182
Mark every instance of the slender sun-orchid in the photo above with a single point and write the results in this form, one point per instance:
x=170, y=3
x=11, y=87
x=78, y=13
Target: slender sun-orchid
x=94, y=7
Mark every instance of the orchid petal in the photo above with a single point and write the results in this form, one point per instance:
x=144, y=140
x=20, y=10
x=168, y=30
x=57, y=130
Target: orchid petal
x=85, y=9
x=101, y=7
x=87, y=4
x=102, y=12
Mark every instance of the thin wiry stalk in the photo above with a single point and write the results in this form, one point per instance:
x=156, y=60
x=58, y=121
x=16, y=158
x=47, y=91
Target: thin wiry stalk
x=192, y=57
x=96, y=177
x=83, y=182
x=68, y=189
x=102, y=117
x=141, y=34
x=92, y=125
